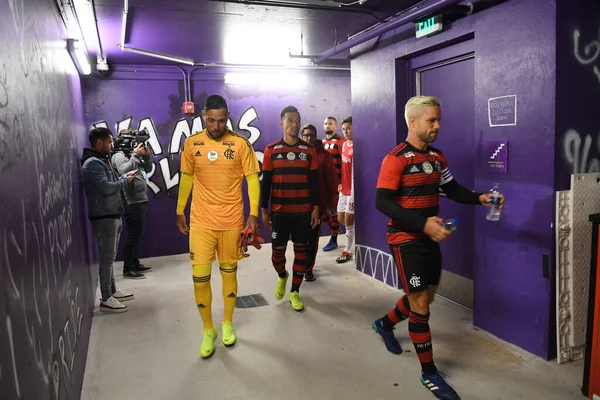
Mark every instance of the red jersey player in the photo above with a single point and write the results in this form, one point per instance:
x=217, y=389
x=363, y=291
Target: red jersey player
x=345, y=207
x=333, y=144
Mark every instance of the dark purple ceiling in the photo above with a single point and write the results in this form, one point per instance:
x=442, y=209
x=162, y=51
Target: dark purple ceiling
x=230, y=32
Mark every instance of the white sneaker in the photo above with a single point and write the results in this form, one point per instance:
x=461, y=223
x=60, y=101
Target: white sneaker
x=122, y=296
x=113, y=305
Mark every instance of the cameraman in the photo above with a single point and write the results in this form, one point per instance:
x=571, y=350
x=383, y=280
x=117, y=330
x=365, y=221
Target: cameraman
x=136, y=196
x=103, y=188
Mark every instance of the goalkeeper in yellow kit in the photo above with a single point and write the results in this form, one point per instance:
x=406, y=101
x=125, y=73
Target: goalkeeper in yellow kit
x=214, y=163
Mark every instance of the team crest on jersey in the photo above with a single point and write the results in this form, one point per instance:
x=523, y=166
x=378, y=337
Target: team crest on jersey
x=213, y=155
x=303, y=156
x=229, y=154
x=427, y=168
x=438, y=166
x=291, y=156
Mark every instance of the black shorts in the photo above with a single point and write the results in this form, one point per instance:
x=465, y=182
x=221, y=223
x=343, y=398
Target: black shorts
x=298, y=225
x=419, y=264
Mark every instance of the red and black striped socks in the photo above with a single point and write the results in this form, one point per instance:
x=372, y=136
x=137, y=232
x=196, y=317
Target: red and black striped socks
x=335, y=225
x=278, y=259
x=418, y=329
x=299, y=265
x=397, y=314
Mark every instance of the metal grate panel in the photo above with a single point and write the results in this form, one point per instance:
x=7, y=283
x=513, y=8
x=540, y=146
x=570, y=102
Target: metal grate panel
x=251, y=301
x=573, y=238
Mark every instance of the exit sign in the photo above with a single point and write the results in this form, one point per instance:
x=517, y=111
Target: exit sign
x=429, y=26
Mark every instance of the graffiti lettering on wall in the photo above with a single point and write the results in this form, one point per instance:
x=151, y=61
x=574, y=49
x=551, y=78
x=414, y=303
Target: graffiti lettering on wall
x=579, y=148
x=577, y=152
x=590, y=54
x=45, y=298
x=166, y=161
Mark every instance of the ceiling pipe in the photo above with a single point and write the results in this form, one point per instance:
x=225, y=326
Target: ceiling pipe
x=100, y=57
x=124, y=24
x=273, y=67
x=185, y=79
x=305, y=7
x=418, y=11
x=180, y=60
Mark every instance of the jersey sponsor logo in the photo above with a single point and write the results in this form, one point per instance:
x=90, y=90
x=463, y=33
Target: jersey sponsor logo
x=198, y=154
x=433, y=153
x=200, y=143
x=279, y=156
x=409, y=154
x=303, y=147
x=427, y=168
x=346, y=159
x=279, y=146
x=213, y=155
x=229, y=154
x=414, y=169
x=228, y=143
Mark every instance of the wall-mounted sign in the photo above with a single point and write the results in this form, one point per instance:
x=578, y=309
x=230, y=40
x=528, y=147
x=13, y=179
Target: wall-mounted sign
x=502, y=111
x=429, y=26
x=497, y=158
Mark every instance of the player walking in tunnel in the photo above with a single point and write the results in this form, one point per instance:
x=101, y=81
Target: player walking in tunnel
x=328, y=194
x=213, y=163
x=345, y=206
x=333, y=144
x=408, y=192
x=290, y=181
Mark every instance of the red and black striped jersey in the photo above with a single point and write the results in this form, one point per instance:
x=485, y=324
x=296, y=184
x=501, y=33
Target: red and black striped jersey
x=291, y=168
x=416, y=176
x=334, y=147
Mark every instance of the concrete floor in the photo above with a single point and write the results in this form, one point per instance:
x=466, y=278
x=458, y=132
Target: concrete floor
x=327, y=352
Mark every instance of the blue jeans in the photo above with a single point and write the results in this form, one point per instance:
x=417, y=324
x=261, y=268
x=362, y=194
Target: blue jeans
x=107, y=231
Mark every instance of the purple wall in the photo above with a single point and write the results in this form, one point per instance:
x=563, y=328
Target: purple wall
x=153, y=97
x=46, y=283
x=515, y=54
x=578, y=90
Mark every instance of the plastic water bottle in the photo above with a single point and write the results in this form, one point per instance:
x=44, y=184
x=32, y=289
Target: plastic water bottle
x=450, y=224
x=494, y=212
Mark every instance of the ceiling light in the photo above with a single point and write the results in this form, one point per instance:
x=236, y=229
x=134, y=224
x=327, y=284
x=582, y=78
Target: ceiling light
x=284, y=79
x=79, y=55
